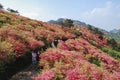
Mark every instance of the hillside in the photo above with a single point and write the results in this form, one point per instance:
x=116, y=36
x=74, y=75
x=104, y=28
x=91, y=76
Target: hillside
x=81, y=54
x=20, y=35
x=61, y=21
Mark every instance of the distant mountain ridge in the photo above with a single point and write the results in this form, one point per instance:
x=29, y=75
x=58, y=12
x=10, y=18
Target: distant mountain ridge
x=58, y=21
x=115, y=33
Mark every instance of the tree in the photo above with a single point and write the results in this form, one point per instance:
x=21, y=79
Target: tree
x=1, y=6
x=60, y=23
x=95, y=30
x=113, y=43
x=68, y=22
x=90, y=27
x=11, y=10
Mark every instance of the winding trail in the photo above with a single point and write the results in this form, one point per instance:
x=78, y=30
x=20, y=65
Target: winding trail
x=26, y=74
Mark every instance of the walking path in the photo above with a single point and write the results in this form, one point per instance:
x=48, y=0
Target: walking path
x=26, y=74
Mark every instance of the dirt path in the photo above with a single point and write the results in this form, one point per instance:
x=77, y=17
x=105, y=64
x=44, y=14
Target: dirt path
x=26, y=74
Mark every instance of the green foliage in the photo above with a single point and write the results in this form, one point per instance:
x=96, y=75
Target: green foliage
x=113, y=43
x=76, y=32
x=4, y=19
x=115, y=34
x=95, y=60
x=111, y=52
x=93, y=42
x=63, y=22
x=28, y=27
x=1, y=6
x=6, y=47
x=95, y=30
x=90, y=27
x=12, y=10
x=68, y=22
x=60, y=23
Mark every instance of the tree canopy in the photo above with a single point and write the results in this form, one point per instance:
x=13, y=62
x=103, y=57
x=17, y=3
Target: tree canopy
x=68, y=22
x=1, y=6
x=12, y=10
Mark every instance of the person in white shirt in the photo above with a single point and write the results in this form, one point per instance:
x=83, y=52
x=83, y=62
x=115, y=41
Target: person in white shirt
x=54, y=43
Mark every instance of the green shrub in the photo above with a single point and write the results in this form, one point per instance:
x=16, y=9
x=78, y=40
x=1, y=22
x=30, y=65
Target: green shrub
x=111, y=52
x=95, y=60
x=93, y=42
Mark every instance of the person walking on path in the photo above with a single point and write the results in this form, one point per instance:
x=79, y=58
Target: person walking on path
x=34, y=57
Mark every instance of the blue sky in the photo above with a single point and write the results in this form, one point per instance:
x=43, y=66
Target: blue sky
x=104, y=14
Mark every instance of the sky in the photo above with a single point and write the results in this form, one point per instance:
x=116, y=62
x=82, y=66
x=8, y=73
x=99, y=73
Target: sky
x=104, y=14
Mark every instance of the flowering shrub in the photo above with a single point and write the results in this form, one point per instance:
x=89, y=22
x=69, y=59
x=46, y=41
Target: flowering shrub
x=33, y=43
x=74, y=44
x=71, y=65
x=89, y=35
x=74, y=64
x=63, y=46
x=75, y=75
x=51, y=56
x=49, y=75
x=6, y=46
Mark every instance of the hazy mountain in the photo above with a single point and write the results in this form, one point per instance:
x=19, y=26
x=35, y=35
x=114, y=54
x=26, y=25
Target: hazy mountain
x=60, y=20
x=115, y=33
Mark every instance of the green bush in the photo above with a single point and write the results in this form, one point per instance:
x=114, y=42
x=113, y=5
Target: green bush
x=93, y=42
x=111, y=52
x=95, y=60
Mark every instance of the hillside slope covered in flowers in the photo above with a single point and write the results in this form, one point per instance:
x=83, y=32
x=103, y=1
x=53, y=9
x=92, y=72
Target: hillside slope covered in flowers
x=78, y=55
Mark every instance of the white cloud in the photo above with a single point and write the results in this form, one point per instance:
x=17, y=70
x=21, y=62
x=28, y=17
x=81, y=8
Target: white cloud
x=38, y=13
x=105, y=17
x=63, y=17
x=104, y=11
x=33, y=15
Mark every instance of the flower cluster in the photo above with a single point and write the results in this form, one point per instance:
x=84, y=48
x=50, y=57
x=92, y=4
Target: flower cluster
x=49, y=75
x=100, y=40
x=75, y=75
x=72, y=65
